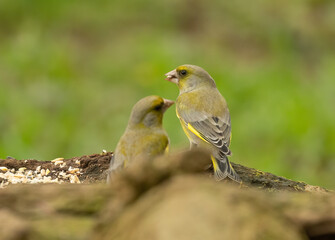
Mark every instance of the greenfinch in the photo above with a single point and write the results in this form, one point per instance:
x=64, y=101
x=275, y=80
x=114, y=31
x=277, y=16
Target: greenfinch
x=144, y=135
x=204, y=116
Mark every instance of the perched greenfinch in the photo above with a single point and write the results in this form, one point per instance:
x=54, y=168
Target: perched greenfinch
x=144, y=135
x=204, y=116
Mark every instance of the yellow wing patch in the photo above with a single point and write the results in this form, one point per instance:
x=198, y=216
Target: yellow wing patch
x=215, y=165
x=183, y=125
x=167, y=149
x=191, y=128
x=195, y=132
x=177, y=113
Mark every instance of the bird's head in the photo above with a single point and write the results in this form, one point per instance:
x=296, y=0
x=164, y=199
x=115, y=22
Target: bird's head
x=189, y=77
x=149, y=111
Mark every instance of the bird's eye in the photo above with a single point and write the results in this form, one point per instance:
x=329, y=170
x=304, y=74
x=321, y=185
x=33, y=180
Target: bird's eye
x=158, y=107
x=183, y=72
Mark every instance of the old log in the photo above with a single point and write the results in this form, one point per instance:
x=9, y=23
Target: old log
x=171, y=197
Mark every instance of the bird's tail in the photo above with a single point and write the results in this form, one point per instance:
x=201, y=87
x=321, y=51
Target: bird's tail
x=223, y=168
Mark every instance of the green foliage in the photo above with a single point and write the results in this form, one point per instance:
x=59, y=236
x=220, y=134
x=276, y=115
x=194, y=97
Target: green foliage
x=70, y=72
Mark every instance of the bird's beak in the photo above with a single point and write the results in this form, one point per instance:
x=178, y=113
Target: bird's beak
x=172, y=76
x=167, y=103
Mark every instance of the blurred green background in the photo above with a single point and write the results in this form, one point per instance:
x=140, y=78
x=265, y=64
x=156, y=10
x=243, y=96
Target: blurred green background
x=70, y=72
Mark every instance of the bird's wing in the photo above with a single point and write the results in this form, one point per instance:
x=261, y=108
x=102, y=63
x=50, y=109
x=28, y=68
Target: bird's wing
x=212, y=129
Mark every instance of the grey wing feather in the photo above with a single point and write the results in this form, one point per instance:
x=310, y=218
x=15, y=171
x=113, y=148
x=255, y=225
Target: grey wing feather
x=215, y=130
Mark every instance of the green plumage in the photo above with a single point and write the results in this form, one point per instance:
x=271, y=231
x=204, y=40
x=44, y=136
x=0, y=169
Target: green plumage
x=144, y=135
x=204, y=115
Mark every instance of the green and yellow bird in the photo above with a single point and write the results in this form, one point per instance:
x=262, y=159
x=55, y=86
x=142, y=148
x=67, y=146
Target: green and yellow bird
x=144, y=135
x=204, y=116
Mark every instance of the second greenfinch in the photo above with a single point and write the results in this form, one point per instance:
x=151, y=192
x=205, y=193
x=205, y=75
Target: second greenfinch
x=144, y=135
x=204, y=116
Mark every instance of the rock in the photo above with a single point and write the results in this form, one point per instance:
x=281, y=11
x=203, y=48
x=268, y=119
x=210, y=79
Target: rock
x=189, y=207
x=13, y=227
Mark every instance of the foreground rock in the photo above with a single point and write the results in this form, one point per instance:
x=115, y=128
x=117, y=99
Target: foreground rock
x=170, y=198
x=194, y=207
